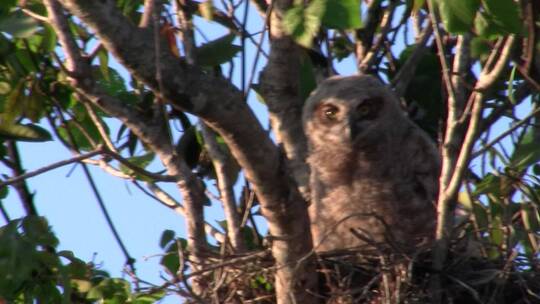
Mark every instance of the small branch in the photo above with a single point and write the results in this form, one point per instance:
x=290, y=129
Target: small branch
x=38, y=17
x=21, y=187
x=364, y=36
x=520, y=123
x=440, y=50
x=369, y=58
x=130, y=261
x=99, y=126
x=51, y=167
x=223, y=165
x=150, y=6
x=69, y=45
x=488, y=78
x=139, y=170
x=185, y=22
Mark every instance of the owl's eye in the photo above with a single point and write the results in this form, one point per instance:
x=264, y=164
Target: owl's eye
x=363, y=110
x=330, y=112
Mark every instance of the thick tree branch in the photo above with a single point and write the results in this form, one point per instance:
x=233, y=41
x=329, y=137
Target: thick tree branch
x=280, y=84
x=221, y=106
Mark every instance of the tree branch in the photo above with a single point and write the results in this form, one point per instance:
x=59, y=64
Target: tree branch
x=151, y=132
x=280, y=85
x=50, y=167
x=221, y=106
x=223, y=166
x=27, y=198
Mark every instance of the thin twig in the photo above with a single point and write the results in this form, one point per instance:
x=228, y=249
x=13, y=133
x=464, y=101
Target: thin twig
x=520, y=123
x=440, y=50
x=52, y=166
x=165, y=199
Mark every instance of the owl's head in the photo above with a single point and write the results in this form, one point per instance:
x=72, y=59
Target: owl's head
x=346, y=111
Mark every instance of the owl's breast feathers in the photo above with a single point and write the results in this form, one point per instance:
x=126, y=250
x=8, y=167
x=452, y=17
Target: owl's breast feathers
x=385, y=191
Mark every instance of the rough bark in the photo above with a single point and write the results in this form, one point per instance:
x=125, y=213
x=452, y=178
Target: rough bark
x=280, y=84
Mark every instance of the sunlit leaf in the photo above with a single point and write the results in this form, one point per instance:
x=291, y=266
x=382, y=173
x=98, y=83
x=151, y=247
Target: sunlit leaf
x=342, y=14
x=505, y=13
x=303, y=23
x=103, y=57
x=80, y=131
x=141, y=161
x=206, y=9
x=458, y=15
x=18, y=25
x=21, y=132
x=49, y=39
x=527, y=151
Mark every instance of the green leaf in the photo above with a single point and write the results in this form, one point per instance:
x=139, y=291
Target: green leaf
x=458, y=15
x=480, y=48
x=490, y=184
x=510, y=88
x=527, y=152
x=341, y=48
x=5, y=88
x=38, y=231
x=27, y=132
x=217, y=51
x=149, y=298
x=4, y=191
x=342, y=14
x=49, y=39
x=81, y=140
x=505, y=13
x=6, y=6
x=141, y=161
x=303, y=23
x=170, y=262
x=166, y=237
x=103, y=57
x=113, y=83
x=18, y=25
x=307, y=77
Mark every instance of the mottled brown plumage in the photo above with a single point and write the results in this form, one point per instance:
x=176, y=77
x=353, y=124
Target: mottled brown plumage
x=372, y=169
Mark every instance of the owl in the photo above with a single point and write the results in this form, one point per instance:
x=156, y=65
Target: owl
x=374, y=173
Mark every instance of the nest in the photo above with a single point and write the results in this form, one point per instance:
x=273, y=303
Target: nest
x=363, y=276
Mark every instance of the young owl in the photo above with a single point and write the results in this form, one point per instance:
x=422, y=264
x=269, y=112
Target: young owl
x=372, y=169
